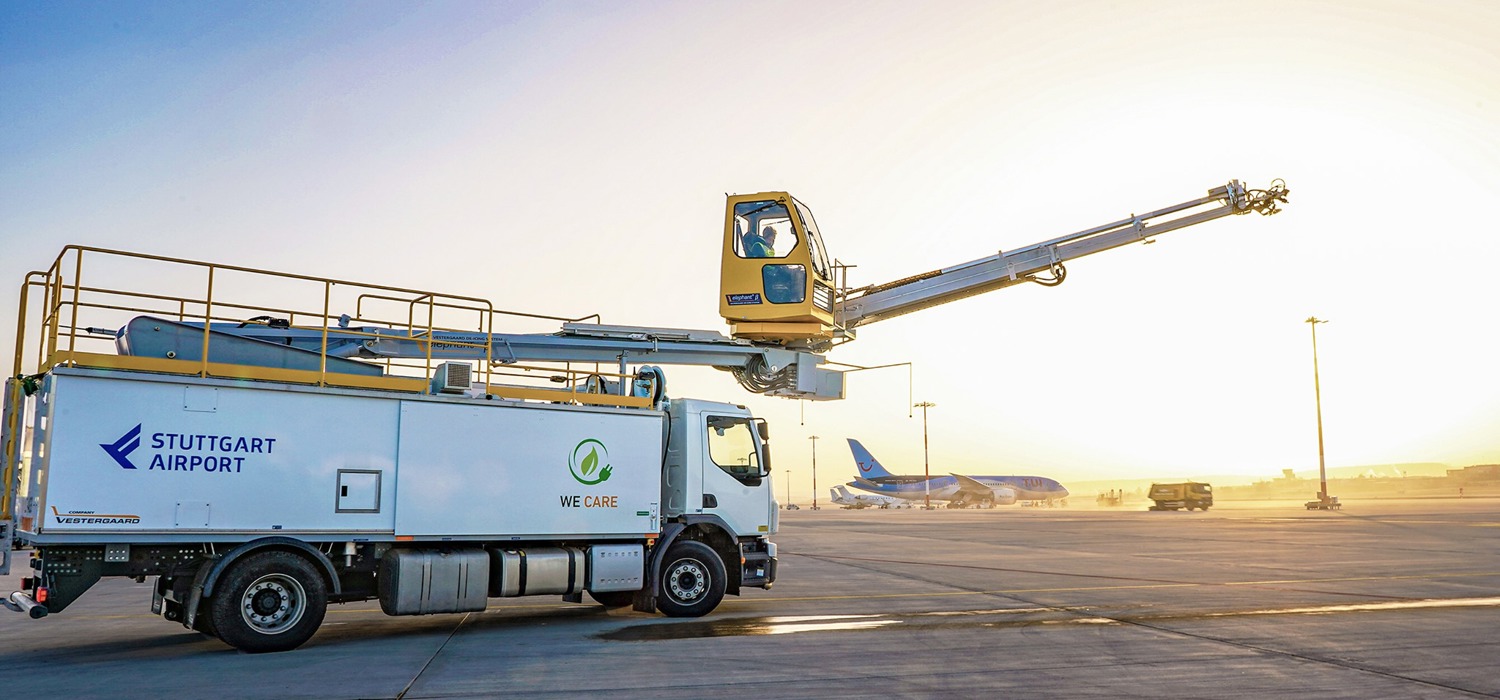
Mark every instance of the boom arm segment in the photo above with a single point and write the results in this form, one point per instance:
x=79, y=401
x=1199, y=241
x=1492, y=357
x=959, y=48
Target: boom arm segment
x=762, y=369
x=1031, y=263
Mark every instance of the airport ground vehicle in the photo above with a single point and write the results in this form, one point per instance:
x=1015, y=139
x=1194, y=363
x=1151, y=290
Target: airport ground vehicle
x=267, y=481
x=1321, y=503
x=262, y=455
x=1187, y=494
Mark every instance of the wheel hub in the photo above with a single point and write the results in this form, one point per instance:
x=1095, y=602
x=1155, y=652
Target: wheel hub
x=688, y=581
x=273, y=604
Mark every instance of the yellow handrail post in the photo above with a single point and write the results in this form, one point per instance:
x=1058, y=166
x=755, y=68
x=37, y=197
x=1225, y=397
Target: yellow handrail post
x=208, y=315
x=431, y=312
x=323, y=356
x=54, y=309
x=21, y=326
x=73, y=321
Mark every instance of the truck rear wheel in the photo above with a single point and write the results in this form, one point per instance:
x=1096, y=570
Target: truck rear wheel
x=270, y=601
x=692, y=580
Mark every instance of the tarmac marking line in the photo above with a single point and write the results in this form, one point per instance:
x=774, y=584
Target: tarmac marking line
x=1360, y=578
x=946, y=594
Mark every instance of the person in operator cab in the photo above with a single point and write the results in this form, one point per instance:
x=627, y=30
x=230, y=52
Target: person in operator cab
x=762, y=245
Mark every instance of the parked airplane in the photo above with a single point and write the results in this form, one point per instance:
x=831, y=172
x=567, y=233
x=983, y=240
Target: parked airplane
x=842, y=497
x=957, y=489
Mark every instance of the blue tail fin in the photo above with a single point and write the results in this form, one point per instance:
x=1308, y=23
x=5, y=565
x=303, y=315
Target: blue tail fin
x=869, y=467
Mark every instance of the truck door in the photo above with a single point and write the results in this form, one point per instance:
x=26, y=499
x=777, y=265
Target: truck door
x=735, y=487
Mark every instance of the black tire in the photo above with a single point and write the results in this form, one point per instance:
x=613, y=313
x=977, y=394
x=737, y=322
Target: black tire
x=268, y=601
x=613, y=599
x=204, y=624
x=692, y=580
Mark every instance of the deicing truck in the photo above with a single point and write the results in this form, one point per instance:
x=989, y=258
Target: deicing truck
x=256, y=445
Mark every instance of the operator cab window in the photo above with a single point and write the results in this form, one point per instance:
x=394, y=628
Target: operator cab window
x=763, y=230
x=814, y=241
x=732, y=447
x=1202, y=488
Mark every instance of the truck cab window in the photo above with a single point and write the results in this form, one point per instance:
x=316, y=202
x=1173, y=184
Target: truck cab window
x=763, y=230
x=732, y=447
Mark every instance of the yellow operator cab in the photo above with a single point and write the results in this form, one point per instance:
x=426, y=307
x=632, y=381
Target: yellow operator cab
x=776, y=283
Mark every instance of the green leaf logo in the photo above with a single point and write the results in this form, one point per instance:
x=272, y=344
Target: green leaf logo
x=593, y=467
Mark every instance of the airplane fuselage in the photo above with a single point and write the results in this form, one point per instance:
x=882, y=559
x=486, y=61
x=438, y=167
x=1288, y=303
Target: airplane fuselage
x=947, y=488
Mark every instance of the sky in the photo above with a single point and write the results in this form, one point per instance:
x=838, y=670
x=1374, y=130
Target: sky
x=572, y=158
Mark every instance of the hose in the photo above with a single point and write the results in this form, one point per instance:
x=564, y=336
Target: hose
x=1059, y=273
x=756, y=377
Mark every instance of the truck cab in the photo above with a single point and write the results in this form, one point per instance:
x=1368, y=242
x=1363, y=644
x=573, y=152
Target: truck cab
x=716, y=487
x=718, y=465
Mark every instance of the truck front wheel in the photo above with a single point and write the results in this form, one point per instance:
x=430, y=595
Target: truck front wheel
x=692, y=580
x=270, y=601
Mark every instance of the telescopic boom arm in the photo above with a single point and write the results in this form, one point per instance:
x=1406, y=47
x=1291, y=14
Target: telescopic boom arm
x=1043, y=262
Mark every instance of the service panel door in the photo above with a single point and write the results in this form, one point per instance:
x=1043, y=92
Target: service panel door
x=466, y=469
x=130, y=454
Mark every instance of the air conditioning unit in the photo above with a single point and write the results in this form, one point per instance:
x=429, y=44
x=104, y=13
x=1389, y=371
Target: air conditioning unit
x=452, y=378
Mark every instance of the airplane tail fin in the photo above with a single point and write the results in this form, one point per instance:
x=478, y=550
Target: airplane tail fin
x=869, y=467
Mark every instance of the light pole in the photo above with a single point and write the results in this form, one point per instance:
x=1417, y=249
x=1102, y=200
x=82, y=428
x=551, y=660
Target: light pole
x=814, y=439
x=788, y=487
x=926, y=469
x=1312, y=322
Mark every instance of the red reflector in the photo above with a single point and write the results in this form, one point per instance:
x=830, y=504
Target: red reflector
x=41, y=595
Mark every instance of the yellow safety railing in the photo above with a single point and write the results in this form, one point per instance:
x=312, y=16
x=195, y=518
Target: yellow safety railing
x=65, y=320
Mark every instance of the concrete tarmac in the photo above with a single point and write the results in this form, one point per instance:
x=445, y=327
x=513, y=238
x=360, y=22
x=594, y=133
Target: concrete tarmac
x=1384, y=599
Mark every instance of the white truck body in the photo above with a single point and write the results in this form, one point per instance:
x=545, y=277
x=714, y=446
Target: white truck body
x=208, y=457
x=428, y=502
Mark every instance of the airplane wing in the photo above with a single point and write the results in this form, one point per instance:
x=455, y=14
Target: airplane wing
x=972, y=485
x=974, y=488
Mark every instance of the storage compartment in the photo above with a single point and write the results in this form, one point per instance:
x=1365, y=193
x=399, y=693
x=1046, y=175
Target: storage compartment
x=422, y=582
x=536, y=571
x=616, y=567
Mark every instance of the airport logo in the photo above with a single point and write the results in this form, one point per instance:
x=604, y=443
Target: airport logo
x=743, y=299
x=190, y=452
x=120, y=449
x=586, y=460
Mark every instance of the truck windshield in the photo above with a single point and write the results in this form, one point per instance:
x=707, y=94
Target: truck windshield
x=732, y=447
